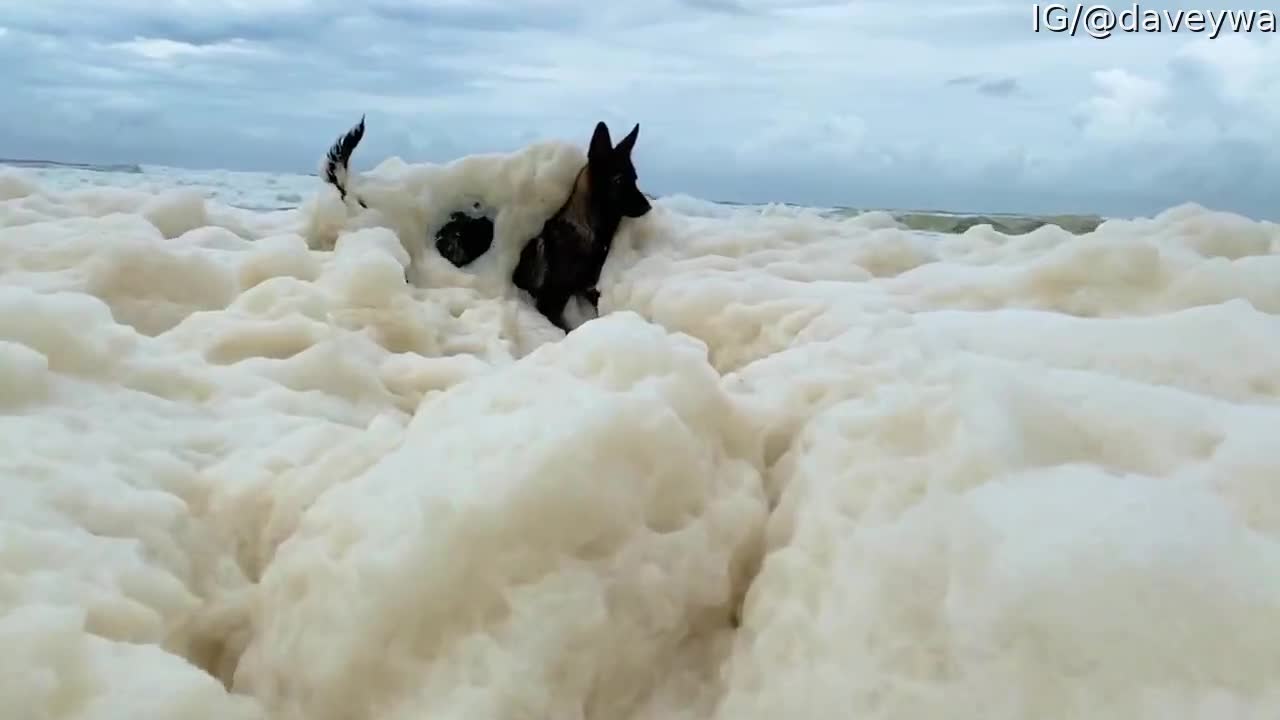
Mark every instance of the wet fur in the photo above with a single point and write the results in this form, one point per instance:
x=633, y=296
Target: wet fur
x=337, y=160
x=465, y=237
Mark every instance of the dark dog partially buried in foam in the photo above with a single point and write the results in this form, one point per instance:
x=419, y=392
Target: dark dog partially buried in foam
x=565, y=258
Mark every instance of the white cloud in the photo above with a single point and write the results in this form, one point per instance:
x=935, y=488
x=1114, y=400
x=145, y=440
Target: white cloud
x=1126, y=108
x=165, y=49
x=880, y=102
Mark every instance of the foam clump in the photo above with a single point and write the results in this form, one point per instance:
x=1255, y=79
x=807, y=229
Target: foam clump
x=174, y=212
x=297, y=465
x=14, y=186
x=604, y=517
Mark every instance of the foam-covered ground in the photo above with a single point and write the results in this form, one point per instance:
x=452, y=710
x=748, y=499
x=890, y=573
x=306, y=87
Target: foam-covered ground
x=801, y=468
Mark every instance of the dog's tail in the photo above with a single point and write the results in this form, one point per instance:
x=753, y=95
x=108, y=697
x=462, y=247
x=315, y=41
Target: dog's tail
x=336, y=171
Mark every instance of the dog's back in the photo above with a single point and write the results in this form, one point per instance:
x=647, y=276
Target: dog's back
x=561, y=255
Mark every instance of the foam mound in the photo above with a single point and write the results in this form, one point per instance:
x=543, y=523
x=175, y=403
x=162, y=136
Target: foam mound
x=296, y=465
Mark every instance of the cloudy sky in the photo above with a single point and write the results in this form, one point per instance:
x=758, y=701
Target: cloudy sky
x=952, y=104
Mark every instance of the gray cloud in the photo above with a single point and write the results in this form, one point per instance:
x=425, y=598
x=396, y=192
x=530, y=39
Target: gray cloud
x=1002, y=87
x=797, y=100
x=990, y=86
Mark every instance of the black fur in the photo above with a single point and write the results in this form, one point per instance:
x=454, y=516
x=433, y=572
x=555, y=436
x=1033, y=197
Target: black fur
x=465, y=237
x=566, y=256
x=337, y=160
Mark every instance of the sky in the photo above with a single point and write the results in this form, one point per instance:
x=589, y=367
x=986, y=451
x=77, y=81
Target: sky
x=926, y=104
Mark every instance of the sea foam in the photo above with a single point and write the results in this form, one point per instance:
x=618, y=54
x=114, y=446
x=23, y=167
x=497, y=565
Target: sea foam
x=295, y=466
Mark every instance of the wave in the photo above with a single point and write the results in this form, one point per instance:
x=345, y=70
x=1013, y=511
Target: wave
x=126, y=168
x=229, y=187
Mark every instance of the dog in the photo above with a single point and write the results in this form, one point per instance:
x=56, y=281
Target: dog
x=592, y=214
x=565, y=258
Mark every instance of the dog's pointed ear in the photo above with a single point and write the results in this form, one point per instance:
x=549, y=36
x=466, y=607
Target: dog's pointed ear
x=627, y=143
x=601, y=145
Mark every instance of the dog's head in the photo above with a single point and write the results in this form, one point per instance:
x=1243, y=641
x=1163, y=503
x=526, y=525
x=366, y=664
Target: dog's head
x=612, y=176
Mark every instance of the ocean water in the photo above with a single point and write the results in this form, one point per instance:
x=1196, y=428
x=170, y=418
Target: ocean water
x=267, y=456
x=286, y=191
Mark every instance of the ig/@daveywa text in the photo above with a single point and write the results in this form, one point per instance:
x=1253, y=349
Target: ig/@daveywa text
x=1101, y=21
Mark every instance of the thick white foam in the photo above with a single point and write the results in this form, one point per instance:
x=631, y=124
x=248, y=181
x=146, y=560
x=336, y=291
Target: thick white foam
x=252, y=472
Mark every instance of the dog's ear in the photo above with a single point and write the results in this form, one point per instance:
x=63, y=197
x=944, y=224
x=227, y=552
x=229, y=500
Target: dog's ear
x=601, y=145
x=627, y=143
